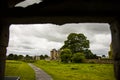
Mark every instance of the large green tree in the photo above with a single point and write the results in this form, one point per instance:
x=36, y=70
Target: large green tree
x=76, y=43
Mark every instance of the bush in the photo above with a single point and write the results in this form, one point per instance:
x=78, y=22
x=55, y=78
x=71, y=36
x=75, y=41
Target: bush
x=66, y=55
x=78, y=58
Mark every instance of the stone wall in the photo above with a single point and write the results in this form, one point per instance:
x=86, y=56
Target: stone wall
x=100, y=61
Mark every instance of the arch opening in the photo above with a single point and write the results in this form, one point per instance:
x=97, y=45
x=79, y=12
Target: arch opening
x=98, y=34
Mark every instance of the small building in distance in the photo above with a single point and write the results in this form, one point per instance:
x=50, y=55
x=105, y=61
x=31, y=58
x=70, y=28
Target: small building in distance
x=54, y=54
x=36, y=57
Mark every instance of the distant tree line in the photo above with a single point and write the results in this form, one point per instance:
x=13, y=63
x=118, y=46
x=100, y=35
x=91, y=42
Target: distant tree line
x=42, y=57
x=26, y=58
x=14, y=57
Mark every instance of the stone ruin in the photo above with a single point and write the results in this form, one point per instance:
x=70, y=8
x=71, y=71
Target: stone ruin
x=54, y=54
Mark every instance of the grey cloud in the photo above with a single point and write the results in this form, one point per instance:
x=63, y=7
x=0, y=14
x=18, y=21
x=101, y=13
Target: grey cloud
x=24, y=46
x=58, y=33
x=90, y=27
x=31, y=52
x=100, y=52
x=98, y=28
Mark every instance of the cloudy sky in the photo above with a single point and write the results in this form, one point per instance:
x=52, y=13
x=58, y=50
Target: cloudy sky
x=37, y=39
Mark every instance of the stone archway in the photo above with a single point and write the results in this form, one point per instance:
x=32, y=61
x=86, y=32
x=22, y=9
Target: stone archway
x=96, y=12
x=114, y=25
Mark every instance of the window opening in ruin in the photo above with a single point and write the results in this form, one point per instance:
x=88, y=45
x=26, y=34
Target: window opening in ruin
x=43, y=39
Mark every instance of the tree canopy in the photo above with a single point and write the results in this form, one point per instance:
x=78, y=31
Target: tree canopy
x=76, y=42
x=14, y=57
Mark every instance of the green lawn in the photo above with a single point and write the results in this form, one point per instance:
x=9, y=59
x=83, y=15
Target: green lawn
x=82, y=71
x=18, y=68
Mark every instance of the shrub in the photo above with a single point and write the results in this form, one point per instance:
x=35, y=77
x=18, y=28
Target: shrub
x=65, y=55
x=78, y=57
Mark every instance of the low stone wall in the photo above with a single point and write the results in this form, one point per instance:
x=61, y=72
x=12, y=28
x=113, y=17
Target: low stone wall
x=101, y=61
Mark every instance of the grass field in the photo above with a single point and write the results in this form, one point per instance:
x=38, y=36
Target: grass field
x=21, y=69
x=60, y=71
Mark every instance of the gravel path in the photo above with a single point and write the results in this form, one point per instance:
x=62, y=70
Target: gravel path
x=40, y=74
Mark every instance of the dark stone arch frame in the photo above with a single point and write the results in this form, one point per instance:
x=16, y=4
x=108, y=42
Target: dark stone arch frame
x=60, y=20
